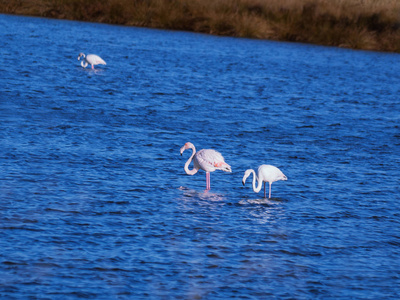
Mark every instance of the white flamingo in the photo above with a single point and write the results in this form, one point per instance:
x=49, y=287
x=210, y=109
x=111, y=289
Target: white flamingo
x=207, y=160
x=92, y=59
x=266, y=173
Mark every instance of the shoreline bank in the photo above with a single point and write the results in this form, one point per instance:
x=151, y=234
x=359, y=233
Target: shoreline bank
x=356, y=24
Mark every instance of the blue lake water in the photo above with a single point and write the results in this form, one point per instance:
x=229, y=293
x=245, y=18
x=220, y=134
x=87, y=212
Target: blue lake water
x=94, y=199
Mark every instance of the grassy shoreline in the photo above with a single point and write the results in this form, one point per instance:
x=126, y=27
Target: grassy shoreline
x=356, y=24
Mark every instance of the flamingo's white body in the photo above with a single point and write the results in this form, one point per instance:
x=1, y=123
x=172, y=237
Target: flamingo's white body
x=207, y=160
x=92, y=59
x=266, y=173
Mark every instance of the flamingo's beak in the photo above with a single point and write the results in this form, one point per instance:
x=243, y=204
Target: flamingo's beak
x=183, y=149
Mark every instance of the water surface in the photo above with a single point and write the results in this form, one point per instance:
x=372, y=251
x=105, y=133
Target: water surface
x=94, y=199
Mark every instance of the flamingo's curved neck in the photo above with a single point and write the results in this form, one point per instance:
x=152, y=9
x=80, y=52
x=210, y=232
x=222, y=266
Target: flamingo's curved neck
x=84, y=63
x=194, y=170
x=260, y=182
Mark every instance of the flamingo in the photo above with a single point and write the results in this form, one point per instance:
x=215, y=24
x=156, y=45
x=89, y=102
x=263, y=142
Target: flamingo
x=92, y=59
x=207, y=160
x=266, y=173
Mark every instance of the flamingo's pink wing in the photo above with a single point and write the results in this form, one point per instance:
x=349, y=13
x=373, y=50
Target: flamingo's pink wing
x=209, y=160
x=95, y=59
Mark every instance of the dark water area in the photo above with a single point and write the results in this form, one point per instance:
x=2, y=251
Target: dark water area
x=95, y=203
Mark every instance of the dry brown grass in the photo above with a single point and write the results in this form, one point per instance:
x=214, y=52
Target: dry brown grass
x=359, y=24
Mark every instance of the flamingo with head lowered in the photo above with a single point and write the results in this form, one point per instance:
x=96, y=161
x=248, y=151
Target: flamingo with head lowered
x=92, y=59
x=266, y=173
x=207, y=160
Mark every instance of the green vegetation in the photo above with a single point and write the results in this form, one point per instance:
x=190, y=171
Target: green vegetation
x=358, y=24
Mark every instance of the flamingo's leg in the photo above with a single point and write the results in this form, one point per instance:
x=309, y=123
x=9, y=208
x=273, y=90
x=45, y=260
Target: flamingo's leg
x=270, y=188
x=208, y=181
x=92, y=67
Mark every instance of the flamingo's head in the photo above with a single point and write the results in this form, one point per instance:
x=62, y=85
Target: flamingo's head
x=246, y=174
x=80, y=55
x=187, y=145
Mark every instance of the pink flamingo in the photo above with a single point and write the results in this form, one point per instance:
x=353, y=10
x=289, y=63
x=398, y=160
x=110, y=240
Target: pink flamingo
x=266, y=173
x=92, y=59
x=207, y=160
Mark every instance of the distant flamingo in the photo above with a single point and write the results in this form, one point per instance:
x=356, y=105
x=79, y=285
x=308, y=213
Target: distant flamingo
x=266, y=173
x=92, y=59
x=207, y=160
